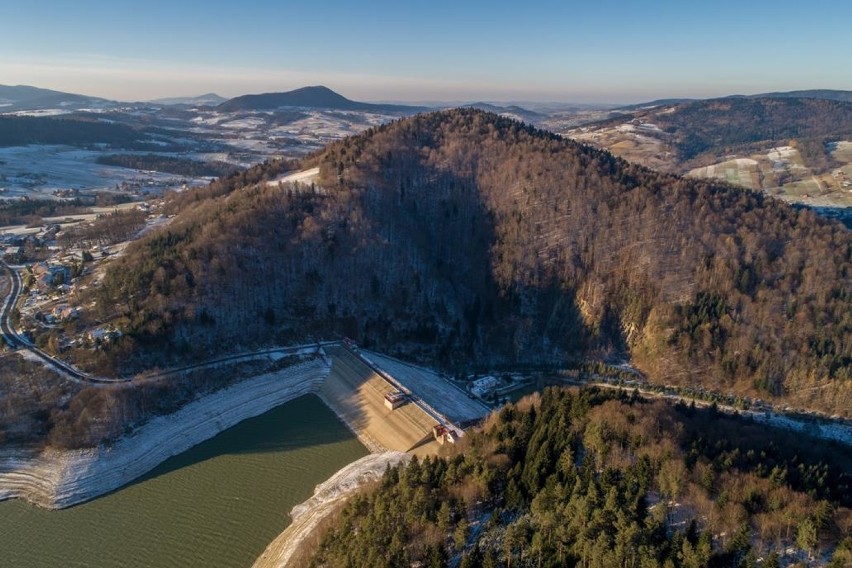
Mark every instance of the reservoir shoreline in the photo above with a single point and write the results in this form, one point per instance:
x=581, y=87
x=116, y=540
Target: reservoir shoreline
x=349, y=385
x=56, y=479
x=327, y=498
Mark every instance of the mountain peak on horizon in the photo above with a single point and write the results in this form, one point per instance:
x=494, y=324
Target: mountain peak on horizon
x=26, y=97
x=211, y=99
x=313, y=96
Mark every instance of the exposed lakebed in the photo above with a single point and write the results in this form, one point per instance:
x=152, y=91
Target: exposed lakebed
x=217, y=504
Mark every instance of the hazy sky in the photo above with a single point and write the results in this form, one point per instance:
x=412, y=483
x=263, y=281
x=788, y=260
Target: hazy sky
x=569, y=50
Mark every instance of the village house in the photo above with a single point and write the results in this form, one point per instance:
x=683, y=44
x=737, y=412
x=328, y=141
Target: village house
x=50, y=275
x=13, y=254
x=62, y=313
x=102, y=336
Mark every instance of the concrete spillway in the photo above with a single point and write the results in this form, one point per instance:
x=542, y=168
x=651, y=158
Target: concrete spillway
x=356, y=393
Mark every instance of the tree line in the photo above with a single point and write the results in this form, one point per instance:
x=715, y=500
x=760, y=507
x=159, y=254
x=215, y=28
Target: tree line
x=594, y=479
x=169, y=164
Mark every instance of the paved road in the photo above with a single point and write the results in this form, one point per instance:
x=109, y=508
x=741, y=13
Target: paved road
x=19, y=342
x=841, y=431
x=16, y=341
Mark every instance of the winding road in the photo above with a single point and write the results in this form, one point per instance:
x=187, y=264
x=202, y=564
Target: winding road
x=17, y=341
x=835, y=429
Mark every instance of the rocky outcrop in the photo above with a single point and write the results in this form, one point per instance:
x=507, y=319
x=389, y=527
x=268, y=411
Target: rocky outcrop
x=327, y=497
x=57, y=479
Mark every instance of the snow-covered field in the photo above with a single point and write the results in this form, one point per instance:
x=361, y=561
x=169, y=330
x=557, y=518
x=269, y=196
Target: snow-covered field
x=305, y=176
x=782, y=153
x=40, y=170
x=264, y=134
x=739, y=171
x=239, y=138
x=842, y=151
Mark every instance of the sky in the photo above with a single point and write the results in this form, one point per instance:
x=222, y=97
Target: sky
x=603, y=51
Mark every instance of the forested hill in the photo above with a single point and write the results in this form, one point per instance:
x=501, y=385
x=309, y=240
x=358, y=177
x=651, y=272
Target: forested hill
x=591, y=480
x=705, y=131
x=733, y=124
x=827, y=94
x=74, y=131
x=462, y=238
x=310, y=97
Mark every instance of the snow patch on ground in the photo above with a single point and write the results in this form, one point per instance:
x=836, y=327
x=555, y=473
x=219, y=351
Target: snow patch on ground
x=836, y=431
x=40, y=112
x=649, y=126
x=782, y=152
x=348, y=479
x=305, y=176
x=244, y=123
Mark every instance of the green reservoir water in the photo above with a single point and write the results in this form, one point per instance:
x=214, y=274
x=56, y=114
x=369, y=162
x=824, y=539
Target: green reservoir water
x=218, y=504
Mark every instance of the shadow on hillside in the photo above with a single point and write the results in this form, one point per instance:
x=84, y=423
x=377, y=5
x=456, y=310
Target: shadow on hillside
x=462, y=242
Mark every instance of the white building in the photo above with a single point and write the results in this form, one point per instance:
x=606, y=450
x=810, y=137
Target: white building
x=484, y=386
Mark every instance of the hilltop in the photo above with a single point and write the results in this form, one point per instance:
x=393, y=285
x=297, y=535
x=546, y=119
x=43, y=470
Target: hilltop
x=309, y=97
x=25, y=98
x=796, y=146
x=461, y=238
x=699, y=131
x=827, y=94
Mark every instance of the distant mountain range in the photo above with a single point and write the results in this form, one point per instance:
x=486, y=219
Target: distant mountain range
x=512, y=111
x=826, y=94
x=23, y=98
x=27, y=98
x=311, y=97
x=209, y=99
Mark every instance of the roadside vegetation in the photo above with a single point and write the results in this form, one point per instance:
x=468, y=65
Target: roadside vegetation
x=40, y=408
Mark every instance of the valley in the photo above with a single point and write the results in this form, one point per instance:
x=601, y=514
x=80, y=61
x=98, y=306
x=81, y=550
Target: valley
x=203, y=136
x=422, y=270
x=426, y=285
